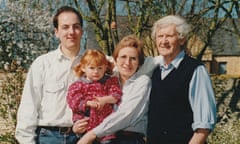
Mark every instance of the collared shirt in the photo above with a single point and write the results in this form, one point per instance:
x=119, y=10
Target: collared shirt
x=150, y=63
x=201, y=94
x=43, y=100
x=131, y=115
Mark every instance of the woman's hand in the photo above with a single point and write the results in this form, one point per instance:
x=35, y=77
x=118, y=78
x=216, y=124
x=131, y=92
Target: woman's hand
x=87, y=138
x=80, y=126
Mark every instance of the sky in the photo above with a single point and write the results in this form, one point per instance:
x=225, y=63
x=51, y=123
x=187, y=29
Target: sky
x=2, y=4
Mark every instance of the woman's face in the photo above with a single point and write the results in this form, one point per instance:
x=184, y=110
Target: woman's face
x=127, y=62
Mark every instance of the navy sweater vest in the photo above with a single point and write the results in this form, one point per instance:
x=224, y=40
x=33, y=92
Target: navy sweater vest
x=170, y=116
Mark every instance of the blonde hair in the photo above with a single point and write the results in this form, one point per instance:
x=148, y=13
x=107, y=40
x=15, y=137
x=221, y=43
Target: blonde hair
x=95, y=58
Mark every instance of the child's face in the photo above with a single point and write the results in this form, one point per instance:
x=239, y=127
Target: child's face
x=94, y=73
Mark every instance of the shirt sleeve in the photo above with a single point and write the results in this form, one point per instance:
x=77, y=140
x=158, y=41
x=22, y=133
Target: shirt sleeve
x=27, y=115
x=77, y=100
x=202, y=99
x=75, y=97
x=132, y=108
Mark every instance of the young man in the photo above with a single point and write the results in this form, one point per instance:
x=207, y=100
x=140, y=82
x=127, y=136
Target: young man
x=43, y=115
x=182, y=107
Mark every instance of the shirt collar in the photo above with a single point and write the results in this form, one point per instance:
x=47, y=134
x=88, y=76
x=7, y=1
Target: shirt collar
x=176, y=61
x=103, y=80
x=60, y=54
x=131, y=79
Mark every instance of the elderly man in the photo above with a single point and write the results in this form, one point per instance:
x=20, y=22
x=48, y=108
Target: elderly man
x=182, y=106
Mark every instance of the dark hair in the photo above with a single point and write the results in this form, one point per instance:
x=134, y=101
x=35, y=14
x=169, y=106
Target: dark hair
x=66, y=9
x=130, y=41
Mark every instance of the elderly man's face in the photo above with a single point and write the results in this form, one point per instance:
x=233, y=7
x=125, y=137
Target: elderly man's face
x=168, y=43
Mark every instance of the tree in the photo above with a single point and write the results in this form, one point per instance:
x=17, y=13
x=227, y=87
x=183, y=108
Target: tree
x=102, y=15
x=206, y=17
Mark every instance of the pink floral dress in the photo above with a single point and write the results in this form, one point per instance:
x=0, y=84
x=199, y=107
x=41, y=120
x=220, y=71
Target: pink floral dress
x=84, y=90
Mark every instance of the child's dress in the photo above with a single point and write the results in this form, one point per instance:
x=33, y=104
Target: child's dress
x=84, y=90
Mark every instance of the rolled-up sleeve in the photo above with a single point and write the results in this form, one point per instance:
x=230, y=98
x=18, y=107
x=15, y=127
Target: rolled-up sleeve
x=202, y=99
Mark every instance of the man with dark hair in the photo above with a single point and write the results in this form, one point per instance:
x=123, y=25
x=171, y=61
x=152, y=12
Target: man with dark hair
x=43, y=115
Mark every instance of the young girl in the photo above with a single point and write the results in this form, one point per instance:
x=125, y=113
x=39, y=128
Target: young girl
x=95, y=93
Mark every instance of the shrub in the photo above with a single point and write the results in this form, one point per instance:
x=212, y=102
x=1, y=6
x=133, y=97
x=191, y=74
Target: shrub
x=11, y=89
x=226, y=132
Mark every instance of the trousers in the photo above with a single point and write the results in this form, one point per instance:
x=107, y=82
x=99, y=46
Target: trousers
x=52, y=136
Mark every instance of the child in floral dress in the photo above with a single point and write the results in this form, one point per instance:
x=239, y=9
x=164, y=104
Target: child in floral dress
x=96, y=92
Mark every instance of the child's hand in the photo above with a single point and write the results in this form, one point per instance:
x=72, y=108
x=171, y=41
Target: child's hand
x=93, y=104
x=98, y=103
x=101, y=101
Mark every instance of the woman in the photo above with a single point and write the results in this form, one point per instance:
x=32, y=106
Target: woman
x=130, y=119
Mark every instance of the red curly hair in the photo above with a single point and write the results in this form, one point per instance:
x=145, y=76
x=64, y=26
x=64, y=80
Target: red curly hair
x=95, y=58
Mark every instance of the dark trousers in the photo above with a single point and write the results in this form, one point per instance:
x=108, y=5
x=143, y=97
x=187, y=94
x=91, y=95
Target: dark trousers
x=123, y=141
x=112, y=141
x=130, y=141
x=127, y=137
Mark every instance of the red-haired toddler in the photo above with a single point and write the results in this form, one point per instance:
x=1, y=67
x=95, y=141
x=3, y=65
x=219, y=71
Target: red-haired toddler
x=95, y=93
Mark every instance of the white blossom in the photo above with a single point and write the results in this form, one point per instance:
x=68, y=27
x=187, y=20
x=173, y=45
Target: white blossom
x=25, y=31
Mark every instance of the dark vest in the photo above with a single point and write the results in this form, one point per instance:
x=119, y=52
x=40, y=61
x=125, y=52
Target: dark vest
x=170, y=116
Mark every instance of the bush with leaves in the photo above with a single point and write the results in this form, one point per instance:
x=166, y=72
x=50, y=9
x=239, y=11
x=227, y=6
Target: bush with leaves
x=11, y=89
x=25, y=33
x=227, y=132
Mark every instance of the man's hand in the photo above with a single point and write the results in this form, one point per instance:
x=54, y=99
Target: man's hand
x=80, y=126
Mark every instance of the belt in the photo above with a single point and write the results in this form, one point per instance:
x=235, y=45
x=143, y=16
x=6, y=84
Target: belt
x=61, y=130
x=129, y=135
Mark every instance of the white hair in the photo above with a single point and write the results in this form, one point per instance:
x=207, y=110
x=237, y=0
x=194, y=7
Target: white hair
x=182, y=27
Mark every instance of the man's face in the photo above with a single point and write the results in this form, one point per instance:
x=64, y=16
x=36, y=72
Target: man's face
x=69, y=31
x=168, y=43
